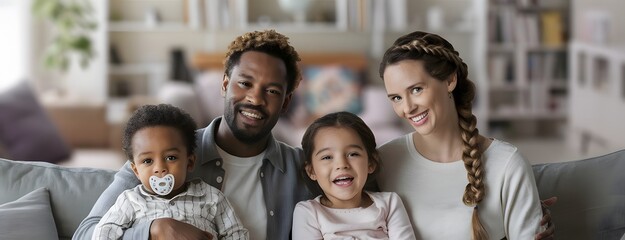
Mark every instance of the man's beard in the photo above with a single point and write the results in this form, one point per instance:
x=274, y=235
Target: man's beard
x=241, y=134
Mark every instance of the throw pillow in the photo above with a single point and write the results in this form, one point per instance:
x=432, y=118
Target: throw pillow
x=26, y=131
x=332, y=89
x=207, y=87
x=29, y=217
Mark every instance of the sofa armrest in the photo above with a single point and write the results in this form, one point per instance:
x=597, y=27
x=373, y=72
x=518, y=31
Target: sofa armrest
x=73, y=191
x=591, y=196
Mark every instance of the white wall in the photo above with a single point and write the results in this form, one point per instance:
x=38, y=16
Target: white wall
x=14, y=55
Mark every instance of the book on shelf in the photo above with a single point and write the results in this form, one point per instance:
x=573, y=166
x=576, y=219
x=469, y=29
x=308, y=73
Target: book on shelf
x=548, y=67
x=535, y=67
x=218, y=14
x=552, y=28
x=502, y=26
x=539, y=97
x=194, y=13
x=397, y=14
x=548, y=64
x=213, y=14
x=531, y=25
x=501, y=70
x=358, y=14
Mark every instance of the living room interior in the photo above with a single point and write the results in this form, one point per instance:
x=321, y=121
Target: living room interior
x=550, y=74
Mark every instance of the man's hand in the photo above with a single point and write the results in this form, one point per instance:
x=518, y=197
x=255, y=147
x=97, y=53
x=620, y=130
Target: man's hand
x=549, y=232
x=167, y=228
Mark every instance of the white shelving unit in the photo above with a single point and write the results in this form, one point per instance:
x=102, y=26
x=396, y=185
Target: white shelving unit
x=527, y=62
x=136, y=26
x=597, y=97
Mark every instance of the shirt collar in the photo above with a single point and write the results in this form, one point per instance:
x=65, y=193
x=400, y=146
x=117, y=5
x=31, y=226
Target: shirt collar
x=209, y=148
x=192, y=190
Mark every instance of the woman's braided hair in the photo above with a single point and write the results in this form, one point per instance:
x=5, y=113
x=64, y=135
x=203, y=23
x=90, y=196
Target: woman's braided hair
x=441, y=61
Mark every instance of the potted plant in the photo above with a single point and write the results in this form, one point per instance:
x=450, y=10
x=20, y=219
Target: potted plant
x=71, y=22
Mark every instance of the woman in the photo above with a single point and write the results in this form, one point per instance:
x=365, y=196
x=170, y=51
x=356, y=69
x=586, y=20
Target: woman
x=455, y=183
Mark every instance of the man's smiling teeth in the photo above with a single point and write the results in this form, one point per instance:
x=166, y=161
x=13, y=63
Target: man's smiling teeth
x=251, y=115
x=419, y=117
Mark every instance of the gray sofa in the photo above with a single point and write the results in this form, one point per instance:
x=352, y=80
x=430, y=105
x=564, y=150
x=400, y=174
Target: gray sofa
x=591, y=194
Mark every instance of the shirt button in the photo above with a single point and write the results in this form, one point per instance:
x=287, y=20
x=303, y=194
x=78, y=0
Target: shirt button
x=262, y=174
x=271, y=213
x=219, y=179
x=218, y=163
x=172, y=203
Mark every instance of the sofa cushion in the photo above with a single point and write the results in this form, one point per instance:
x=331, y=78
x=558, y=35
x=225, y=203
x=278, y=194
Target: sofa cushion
x=28, y=217
x=591, y=196
x=73, y=191
x=26, y=131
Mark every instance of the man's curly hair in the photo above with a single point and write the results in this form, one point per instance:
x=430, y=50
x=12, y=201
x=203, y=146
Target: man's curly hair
x=160, y=115
x=269, y=42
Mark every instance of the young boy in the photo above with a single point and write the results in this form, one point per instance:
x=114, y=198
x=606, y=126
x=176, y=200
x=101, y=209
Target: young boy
x=159, y=141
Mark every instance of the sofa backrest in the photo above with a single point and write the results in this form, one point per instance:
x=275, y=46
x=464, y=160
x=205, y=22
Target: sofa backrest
x=73, y=191
x=591, y=193
x=591, y=196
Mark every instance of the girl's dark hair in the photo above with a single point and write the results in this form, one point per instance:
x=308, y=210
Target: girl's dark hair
x=343, y=120
x=160, y=115
x=441, y=61
x=269, y=42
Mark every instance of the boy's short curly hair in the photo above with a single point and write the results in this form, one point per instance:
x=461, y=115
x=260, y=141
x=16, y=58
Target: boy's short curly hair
x=160, y=115
x=269, y=42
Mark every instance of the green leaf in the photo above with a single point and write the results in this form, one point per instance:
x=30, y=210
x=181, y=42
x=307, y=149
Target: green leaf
x=82, y=43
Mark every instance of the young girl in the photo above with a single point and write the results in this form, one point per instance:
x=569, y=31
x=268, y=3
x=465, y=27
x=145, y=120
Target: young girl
x=340, y=155
x=159, y=141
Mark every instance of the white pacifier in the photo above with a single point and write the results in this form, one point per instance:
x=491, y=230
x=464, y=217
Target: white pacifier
x=162, y=186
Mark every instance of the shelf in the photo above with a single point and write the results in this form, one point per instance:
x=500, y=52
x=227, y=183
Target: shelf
x=294, y=27
x=542, y=8
x=137, y=69
x=527, y=115
x=545, y=48
x=143, y=27
x=609, y=51
x=507, y=87
x=559, y=84
x=501, y=47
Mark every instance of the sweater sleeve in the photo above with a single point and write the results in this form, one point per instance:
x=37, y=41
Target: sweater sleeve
x=118, y=218
x=520, y=201
x=398, y=223
x=124, y=179
x=305, y=223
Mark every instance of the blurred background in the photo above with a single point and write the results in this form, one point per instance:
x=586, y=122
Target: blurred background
x=550, y=73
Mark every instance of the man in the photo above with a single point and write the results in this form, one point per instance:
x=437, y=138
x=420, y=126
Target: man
x=237, y=153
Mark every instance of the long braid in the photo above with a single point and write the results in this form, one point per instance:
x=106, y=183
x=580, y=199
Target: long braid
x=472, y=157
x=431, y=45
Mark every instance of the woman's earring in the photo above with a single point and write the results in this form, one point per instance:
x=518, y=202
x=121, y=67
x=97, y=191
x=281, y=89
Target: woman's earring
x=450, y=95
